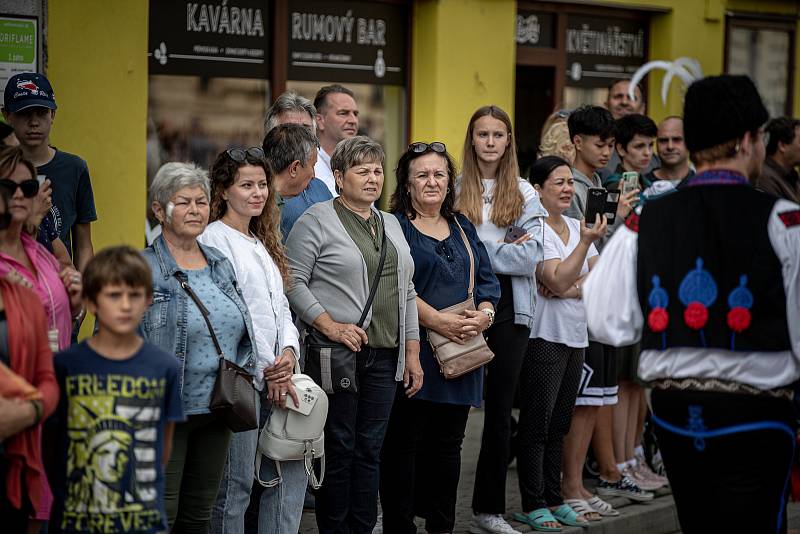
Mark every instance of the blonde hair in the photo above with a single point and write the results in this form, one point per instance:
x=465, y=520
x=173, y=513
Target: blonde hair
x=508, y=200
x=555, y=140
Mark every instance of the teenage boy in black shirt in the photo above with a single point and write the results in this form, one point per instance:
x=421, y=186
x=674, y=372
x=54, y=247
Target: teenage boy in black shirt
x=30, y=108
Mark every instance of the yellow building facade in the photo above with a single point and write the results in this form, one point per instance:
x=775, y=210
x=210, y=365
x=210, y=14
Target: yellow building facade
x=461, y=55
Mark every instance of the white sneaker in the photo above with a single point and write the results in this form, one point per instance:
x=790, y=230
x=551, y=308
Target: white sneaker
x=491, y=524
x=378, y=529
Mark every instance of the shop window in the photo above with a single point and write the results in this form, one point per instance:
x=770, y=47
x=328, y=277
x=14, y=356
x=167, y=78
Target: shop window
x=764, y=51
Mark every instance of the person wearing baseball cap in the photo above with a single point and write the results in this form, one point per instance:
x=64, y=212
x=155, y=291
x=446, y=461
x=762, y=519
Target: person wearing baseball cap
x=29, y=107
x=707, y=278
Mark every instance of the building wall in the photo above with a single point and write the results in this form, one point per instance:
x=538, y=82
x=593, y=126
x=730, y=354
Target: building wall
x=98, y=68
x=462, y=57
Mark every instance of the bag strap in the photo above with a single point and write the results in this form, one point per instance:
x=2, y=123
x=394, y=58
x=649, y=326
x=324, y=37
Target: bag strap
x=203, y=311
x=374, y=288
x=471, y=258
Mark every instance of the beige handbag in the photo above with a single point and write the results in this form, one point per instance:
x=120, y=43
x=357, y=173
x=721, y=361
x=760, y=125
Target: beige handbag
x=454, y=359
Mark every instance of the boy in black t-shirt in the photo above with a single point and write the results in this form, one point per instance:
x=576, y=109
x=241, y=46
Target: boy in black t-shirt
x=30, y=108
x=120, y=399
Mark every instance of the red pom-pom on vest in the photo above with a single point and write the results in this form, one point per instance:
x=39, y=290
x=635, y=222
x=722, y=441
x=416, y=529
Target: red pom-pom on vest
x=658, y=319
x=739, y=319
x=695, y=315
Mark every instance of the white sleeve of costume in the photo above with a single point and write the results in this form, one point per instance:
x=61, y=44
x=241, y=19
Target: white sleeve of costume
x=785, y=239
x=610, y=294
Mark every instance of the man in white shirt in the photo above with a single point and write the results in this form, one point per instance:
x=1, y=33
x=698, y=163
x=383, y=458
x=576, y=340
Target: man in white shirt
x=337, y=119
x=707, y=277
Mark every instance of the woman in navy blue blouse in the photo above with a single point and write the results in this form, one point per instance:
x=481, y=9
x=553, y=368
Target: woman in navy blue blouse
x=421, y=457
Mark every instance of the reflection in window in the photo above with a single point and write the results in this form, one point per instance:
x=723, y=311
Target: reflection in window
x=764, y=55
x=193, y=119
x=381, y=116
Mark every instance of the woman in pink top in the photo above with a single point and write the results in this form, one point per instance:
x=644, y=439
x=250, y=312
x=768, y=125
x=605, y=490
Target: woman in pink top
x=25, y=260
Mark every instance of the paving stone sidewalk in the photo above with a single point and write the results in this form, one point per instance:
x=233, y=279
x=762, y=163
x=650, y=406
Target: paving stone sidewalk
x=657, y=517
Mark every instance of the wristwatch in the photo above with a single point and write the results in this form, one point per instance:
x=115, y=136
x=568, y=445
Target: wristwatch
x=490, y=313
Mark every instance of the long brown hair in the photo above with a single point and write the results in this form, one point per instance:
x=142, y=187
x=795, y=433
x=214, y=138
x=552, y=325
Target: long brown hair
x=508, y=200
x=265, y=227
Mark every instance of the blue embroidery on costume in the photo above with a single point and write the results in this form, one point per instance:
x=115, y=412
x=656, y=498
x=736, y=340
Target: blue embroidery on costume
x=696, y=424
x=697, y=292
x=740, y=300
x=658, y=318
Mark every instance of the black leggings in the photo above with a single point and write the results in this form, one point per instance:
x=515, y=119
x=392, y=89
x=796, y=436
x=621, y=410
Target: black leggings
x=548, y=386
x=728, y=458
x=421, y=464
x=508, y=341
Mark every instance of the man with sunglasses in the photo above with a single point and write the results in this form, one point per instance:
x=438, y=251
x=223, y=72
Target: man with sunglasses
x=30, y=108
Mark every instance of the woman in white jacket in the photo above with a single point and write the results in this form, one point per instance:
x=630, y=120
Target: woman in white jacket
x=245, y=228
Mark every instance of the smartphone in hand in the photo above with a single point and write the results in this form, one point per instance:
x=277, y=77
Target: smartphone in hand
x=513, y=233
x=630, y=181
x=595, y=204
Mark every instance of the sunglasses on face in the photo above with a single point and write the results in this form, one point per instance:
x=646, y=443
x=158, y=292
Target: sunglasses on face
x=239, y=155
x=29, y=187
x=419, y=148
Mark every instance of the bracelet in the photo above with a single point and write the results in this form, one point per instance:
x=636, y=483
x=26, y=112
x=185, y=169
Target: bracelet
x=38, y=410
x=580, y=293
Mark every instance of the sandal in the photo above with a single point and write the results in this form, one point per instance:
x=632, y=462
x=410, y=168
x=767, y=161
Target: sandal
x=582, y=508
x=602, y=507
x=537, y=520
x=567, y=516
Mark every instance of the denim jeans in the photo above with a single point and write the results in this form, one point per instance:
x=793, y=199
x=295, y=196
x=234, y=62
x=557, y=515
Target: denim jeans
x=275, y=510
x=348, y=499
x=237, y=481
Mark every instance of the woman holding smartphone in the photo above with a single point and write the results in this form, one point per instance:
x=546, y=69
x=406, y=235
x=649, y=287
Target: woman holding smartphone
x=498, y=202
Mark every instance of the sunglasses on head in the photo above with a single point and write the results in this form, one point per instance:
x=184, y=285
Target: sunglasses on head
x=419, y=148
x=29, y=187
x=239, y=155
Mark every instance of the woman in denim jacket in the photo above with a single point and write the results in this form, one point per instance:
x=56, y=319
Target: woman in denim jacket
x=180, y=201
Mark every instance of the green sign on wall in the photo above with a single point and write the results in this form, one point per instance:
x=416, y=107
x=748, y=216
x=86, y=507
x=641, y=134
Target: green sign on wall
x=17, y=40
x=19, y=46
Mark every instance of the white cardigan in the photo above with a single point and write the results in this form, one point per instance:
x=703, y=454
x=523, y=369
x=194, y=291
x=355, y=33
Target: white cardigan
x=262, y=289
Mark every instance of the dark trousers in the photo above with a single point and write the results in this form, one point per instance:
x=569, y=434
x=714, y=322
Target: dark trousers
x=194, y=471
x=14, y=520
x=548, y=387
x=736, y=479
x=347, y=502
x=421, y=463
x=508, y=342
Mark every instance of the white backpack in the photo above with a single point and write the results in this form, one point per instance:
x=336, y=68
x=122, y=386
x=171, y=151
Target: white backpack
x=296, y=434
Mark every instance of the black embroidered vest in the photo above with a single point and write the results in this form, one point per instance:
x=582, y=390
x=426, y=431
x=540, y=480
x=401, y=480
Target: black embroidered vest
x=707, y=275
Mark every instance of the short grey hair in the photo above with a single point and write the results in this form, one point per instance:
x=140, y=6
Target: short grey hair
x=355, y=151
x=287, y=143
x=174, y=176
x=287, y=102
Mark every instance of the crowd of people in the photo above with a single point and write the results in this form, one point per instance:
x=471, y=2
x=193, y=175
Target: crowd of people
x=277, y=259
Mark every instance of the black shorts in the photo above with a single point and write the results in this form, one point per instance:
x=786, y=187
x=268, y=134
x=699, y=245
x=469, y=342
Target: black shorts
x=598, y=386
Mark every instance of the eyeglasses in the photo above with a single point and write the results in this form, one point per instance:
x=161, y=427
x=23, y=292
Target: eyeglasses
x=29, y=187
x=239, y=155
x=419, y=148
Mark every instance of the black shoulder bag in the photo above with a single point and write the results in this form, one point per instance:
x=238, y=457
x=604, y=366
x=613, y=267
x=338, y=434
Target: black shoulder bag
x=332, y=365
x=234, y=396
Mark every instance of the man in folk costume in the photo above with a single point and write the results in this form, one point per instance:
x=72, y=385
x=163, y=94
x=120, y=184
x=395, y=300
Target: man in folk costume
x=708, y=278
